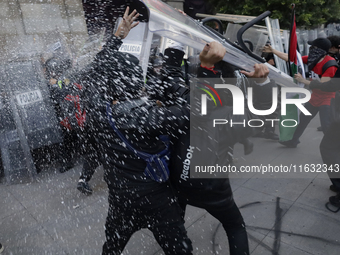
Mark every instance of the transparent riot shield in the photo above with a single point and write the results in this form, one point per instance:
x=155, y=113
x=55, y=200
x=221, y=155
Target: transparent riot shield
x=169, y=23
x=41, y=30
x=276, y=42
x=28, y=120
x=333, y=29
x=254, y=38
x=16, y=158
x=138, y=44
x=285, y=39
x=135, y=41
x=55, y=45
x=302, y=38
x=88, y=50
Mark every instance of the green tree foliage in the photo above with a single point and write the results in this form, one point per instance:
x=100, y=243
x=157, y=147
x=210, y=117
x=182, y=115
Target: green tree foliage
x=309, y=13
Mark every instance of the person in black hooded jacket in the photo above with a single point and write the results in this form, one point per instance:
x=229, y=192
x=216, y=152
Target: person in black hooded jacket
x=113, y=82
x=212, y=194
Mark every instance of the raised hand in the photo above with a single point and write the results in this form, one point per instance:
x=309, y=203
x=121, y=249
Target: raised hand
x=127, y=23
x=260, y=73
x=211, y=54
x=267, y=48
x=300, y=78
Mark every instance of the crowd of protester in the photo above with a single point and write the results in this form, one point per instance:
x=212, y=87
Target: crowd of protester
x=136, y=107
x=322, y=62
x=127, y=118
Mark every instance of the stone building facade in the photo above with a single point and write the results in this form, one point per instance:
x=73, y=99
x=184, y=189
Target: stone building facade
x=26, y=25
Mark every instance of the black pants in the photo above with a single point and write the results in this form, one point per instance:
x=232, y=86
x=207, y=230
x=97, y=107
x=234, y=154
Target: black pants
x=89, y=167
x=133, y=206
x=330, y=153
x=268, y=126
x=91, y=158
x=325, y=118
x=69, y=147
x=227, y=212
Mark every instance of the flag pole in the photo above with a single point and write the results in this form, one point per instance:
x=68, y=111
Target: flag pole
x=290, y=36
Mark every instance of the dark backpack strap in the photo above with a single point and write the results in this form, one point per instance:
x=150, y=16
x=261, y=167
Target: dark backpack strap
x=328, y=64
x=164, y=138
x=138, y=153
x=156, y=164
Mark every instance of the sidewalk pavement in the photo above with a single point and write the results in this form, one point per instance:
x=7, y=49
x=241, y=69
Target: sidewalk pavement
x=283, y=215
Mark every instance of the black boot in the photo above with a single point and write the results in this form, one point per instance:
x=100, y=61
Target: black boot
x=84, y=187
x=248, y=146
x=335, y=200
x=271, y=136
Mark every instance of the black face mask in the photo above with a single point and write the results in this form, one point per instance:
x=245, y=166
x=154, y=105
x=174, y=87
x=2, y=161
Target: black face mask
x=335, y=55
x=314, y=56
x=332, y=54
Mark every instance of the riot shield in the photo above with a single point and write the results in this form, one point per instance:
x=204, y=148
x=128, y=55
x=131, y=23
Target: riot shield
x=276, y=42
x=169, y=23
x=28, y=120
x=35, y=32
x=254, y=38
x=88, y=50
x=16, y=158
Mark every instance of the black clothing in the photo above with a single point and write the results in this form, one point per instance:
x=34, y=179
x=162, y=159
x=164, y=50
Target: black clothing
x=133, y=206
x=232, y=221
x=321, y=43
x=70, y=145
x=319, y=48
x=263, y=100
x=330, y=153
x=336, y=56
x=314, y=56
x=192, y=7
x=214, y=195
x=135, y=201
x=90, y=155
x=325, y=119
x=330, y=86
x=330, y=144
x=182, y=147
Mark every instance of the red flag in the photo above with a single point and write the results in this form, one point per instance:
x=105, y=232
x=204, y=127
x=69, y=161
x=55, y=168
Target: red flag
x=292, y=113
x=292, y=51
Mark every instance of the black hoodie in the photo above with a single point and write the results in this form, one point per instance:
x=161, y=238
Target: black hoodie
x=114, y=75
x=209, y=190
